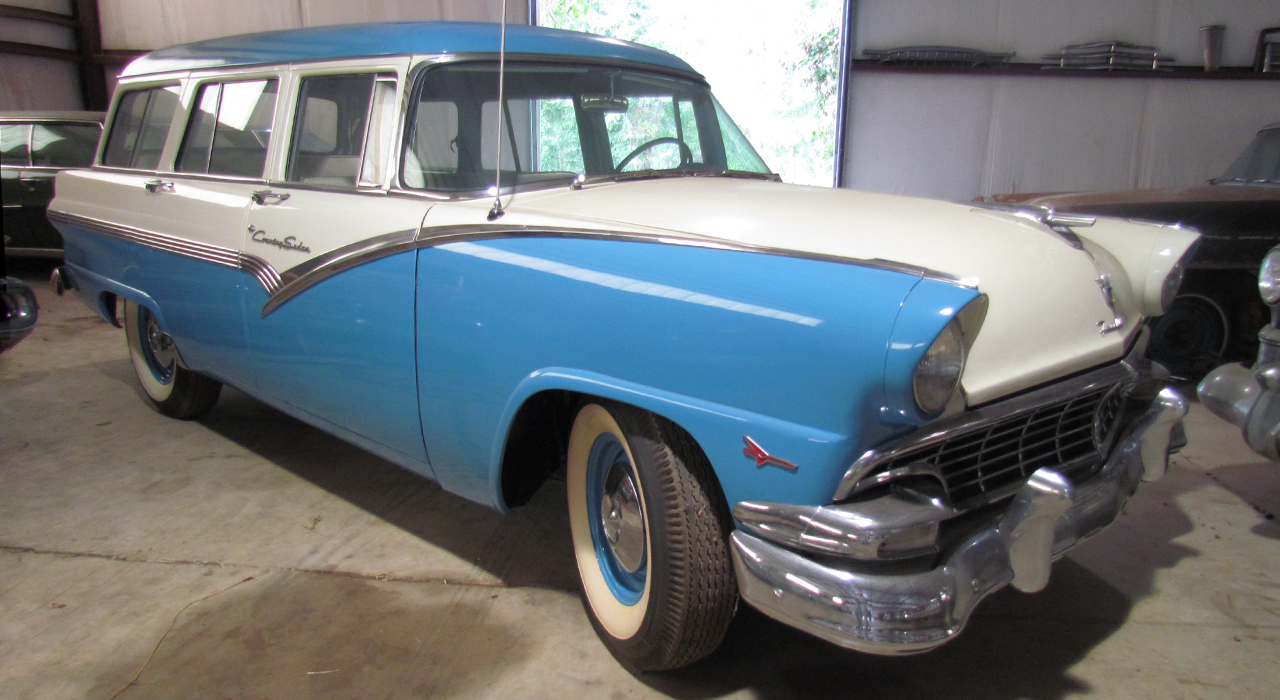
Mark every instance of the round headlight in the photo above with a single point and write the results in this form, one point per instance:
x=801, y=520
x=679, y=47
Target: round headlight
x=1269, y=277
x=937, y=376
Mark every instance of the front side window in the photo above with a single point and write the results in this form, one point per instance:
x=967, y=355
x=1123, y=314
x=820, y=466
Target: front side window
x=64, y=145
x=140, y=127
x=13, y=143
x=330, y=129
x=230, y=129
x=561, y=121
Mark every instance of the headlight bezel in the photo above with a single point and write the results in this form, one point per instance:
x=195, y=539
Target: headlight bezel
x=937, y=375
x=955, y=339
x=1269, y=277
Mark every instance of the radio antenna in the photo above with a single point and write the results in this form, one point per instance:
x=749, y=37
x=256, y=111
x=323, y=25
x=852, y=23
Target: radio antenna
x=496, y=211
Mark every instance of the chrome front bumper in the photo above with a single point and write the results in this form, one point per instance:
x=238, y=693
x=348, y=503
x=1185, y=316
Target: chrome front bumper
x=910, y=613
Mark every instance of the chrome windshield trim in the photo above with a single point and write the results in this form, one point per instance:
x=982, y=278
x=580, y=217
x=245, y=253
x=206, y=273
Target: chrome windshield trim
x=1109, y=375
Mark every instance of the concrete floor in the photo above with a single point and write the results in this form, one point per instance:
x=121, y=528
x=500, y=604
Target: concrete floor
x=247, y=555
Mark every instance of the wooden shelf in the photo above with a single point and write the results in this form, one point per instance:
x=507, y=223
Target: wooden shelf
x=1042, y=70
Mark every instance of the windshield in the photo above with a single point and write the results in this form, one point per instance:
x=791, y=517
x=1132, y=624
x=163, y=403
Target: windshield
x=562, y=121
x=1260, y=161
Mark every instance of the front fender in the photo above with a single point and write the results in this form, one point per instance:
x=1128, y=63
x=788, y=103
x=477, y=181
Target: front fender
x=719, y=431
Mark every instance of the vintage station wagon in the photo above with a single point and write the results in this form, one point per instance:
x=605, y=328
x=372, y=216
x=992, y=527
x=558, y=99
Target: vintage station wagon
x=860, y=413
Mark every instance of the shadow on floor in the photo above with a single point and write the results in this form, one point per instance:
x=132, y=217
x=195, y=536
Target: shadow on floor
x=296, y=635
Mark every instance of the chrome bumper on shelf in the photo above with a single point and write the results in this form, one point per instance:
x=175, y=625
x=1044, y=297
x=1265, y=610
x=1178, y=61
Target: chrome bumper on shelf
x=910, y=613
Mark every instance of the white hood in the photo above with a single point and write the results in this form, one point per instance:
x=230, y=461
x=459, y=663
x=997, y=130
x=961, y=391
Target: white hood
x=1047, y=308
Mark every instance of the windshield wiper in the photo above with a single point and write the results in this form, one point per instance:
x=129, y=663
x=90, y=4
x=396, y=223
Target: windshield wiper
x=650, y=174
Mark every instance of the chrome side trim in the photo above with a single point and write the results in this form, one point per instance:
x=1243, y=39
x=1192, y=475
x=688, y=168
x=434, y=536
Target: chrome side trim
x=286, y=285
x=442, y=235
x=302, y=277
x=218, y=255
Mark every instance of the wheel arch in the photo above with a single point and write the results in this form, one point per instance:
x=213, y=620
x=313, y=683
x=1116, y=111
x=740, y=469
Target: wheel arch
x=715, y=429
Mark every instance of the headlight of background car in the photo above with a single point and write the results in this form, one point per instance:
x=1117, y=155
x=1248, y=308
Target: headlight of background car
x=938, y=374
x=1269, y=277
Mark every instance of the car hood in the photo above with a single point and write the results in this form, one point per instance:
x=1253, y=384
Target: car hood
x=1046, y=306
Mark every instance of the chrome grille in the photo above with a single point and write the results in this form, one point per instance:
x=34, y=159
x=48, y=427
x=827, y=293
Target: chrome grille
x=996, y=457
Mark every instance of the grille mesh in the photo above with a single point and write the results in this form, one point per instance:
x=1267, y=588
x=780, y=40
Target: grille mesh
x=997, y=455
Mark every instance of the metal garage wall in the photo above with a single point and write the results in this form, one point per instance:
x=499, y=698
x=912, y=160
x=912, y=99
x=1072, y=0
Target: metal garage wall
x=30, y=82
x=956, y=137
x=152, y=24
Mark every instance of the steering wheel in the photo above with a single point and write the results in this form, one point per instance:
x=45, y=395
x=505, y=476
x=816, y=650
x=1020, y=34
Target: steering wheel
x=686, y=155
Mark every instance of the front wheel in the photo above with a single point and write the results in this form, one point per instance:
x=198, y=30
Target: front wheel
x=650, y=533
x=174, y=390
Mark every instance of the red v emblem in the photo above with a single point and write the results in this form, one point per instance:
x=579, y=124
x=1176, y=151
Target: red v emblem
x=762, y=458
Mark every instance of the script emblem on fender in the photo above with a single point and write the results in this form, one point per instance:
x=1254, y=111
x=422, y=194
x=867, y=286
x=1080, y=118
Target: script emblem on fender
x=289, y=242
x=762, y=458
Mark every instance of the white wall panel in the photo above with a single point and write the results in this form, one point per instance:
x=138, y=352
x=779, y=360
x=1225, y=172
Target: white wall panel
x=958, y=136
x=27, y=82
x=1059, y=134
x=924, y=136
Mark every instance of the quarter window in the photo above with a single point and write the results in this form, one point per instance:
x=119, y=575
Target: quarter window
x=230, y=129
x=140, y=127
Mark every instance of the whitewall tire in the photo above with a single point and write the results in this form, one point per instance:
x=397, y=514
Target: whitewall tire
x=174, y=390
x=650, y=534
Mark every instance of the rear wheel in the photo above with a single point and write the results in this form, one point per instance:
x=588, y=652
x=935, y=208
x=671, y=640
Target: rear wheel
x=175, y=391
x=650, y=533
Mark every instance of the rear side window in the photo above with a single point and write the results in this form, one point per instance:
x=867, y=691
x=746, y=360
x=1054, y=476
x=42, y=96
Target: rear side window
x=329, y=134
x=230, y=129
x=140, y=127
x=13, y=143
x=64, y=145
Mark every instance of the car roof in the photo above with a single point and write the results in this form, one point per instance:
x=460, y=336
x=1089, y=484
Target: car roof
x=51, y=116
x=392, y=39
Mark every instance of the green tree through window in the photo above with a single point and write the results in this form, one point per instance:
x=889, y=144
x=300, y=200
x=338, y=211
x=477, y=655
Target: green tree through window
x=772, y=63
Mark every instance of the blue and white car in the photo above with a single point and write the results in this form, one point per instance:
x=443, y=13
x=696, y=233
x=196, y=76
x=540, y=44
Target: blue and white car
x=859, y=413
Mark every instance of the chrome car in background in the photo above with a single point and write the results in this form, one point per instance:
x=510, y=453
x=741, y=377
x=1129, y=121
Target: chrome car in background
x=1238, y=214
x=34, y=146
x=860, y=413
x=1250, y=397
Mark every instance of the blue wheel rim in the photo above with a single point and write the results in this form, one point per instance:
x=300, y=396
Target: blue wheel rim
x=606, y=454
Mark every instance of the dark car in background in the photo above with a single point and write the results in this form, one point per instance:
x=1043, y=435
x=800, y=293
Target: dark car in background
x=34, y=146
x=1217, y=313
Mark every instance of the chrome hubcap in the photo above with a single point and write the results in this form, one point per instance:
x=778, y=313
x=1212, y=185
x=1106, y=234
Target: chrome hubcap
x=161, y=344
x=622, y=518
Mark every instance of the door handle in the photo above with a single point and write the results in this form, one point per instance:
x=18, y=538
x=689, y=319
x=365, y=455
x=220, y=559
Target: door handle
x=154, y=186
x=262, y=197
